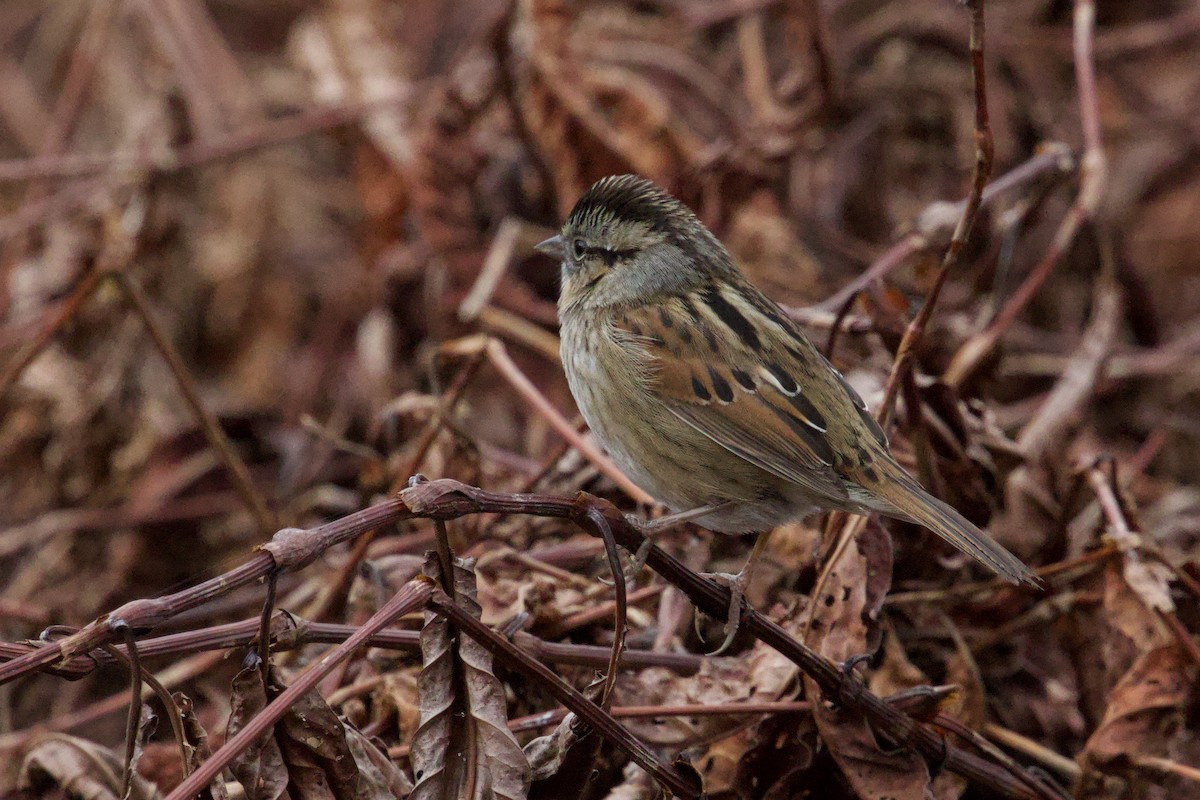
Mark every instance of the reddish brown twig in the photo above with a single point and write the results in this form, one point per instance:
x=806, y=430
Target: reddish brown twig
x=290, y=632
x=501, y=648
x=502, y=361
x=256, y=136
x=984, y=152
x=51, y=325
x=938, y=221
x=80, y=70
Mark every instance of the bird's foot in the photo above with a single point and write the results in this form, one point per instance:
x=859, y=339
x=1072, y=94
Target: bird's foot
x=851, y=689
x=636, y=564
x=736, y=583
x=853, y=661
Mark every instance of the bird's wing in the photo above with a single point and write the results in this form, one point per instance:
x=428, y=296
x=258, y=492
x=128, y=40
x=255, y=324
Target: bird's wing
x=728, y=363
x=724, y=367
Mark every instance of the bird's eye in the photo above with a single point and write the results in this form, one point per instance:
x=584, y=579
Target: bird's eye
x=579, y=246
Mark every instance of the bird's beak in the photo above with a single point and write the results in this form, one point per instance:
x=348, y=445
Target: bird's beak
x=552, y=247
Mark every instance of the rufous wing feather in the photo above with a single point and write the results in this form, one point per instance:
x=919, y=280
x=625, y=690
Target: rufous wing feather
x=718, y=387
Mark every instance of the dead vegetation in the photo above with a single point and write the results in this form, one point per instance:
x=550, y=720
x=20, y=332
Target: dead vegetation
x=262, y=263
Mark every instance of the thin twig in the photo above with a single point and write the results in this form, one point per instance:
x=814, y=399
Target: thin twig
x=129, y=656
x=597, y=718
x=297, y=633
x=1034, y=750
x=502, y=361
x=984, y=153
x=1035, y=782
x=836, y=328
x=53, y=322
x=135, y=710
x=267, y=133
x=264, y=628
x=239, y=474
x=937, y=220
x=82, y=68
x=292, y=549
x=600, y=527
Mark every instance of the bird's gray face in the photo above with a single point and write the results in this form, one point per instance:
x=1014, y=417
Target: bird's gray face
x=627, y=243
x=605, y=262
x=612, y=262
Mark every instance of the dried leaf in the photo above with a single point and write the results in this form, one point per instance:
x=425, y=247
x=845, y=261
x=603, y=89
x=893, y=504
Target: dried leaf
x=546, y=753
x=345, y=50
x=198, y=749
x=260, y=767
x=315, y=752
x=719, y=680
x=781, y=757
x=310, y=752
x=635, y=785
x=463, y=747
x=1129, y=590
x=1148, y=714
x=57, y=764
x=378, y=776
x=851, y=598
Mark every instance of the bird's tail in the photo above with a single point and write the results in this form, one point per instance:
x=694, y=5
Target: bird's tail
x=908, y=500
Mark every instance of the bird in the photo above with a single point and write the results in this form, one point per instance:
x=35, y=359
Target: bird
x=707, y=395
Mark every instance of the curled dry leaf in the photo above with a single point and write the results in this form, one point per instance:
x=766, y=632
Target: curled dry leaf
x=591, y=111
x=719, y=681
x=55, y=764
x=198, y=749
x=308, y=753
x=1129, y=590
x=546, y=753
x=1151, y=712
x=463, y=747
x=260, y=768
x=378, y=776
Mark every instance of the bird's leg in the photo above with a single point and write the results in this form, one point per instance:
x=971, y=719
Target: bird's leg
x=653, y=527
x=737, y=590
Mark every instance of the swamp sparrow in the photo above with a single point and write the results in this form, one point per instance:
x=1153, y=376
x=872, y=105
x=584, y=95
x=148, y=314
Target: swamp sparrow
x=704, y=391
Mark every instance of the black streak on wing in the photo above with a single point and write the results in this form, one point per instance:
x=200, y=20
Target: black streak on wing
x=816, y=442
x=733, y=319
x=863, y=414
x=721, y=386
x=808, y=411
x=744, y=380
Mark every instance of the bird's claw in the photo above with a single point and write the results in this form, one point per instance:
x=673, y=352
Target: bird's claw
x=736, y=583
x=636, y=564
